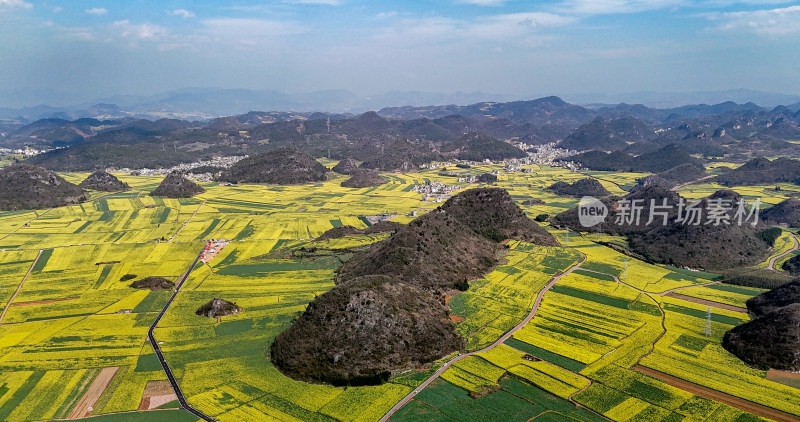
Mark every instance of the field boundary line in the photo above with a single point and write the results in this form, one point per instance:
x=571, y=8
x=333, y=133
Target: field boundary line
x=658, y=304
x=38, y=216
x=718, y=396
x=711, y=303
x=499, y=341
x=187, y=221
x=19, y=287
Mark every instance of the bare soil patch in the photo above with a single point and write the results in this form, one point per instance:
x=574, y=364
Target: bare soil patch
x=792, y=379
x=708, y=303
x=43, y=302
x=157, y=393
x=718, y=396
x=89, y=399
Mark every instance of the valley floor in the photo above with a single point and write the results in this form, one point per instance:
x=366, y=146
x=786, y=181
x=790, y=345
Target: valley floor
x=611, y=337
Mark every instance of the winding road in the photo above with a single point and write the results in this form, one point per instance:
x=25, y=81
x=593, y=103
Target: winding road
x=499, y=341
x=157, y=348
x=775, y=259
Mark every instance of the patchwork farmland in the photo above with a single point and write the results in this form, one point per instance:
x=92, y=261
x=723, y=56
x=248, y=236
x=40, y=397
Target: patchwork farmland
x=608, y=341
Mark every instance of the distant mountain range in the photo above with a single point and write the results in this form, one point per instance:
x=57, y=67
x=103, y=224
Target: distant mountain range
x=620, y=137
x=208, y=103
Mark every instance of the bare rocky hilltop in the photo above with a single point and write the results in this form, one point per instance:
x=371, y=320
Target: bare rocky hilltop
x=387, y=310
x=27, y=187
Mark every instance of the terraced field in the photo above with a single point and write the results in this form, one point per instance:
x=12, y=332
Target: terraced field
x=74, y=336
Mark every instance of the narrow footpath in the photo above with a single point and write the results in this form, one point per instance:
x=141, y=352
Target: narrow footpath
x=19, y=287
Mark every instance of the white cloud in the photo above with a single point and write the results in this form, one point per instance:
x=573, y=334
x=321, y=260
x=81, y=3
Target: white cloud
x=320, y=2
x=139, y=32
x=7, y=4
x=483, y=2
x=599, y=7
x=512, y=26
x=71, y=32
x=98, y=11
x=250, y=28
x=770, y=22
x=186, y=14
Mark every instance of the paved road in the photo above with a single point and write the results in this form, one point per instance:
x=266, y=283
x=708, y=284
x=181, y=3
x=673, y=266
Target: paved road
x=499, y=341
x=160, y=355
x=774, y=259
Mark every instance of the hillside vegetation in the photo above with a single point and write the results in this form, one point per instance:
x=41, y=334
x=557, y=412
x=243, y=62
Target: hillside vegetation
x=278, y=166
x=27, y=187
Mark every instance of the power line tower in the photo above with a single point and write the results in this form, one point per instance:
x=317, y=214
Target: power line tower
x=329, y=124
x=708, y=332
x=566, y=238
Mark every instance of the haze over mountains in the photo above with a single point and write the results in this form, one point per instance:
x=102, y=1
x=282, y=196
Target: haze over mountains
x=404, y=138
x=205, y=103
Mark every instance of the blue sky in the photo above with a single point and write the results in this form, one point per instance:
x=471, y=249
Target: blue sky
x=98, y=48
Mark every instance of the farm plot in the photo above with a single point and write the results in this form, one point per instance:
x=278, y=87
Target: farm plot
x=499, y=302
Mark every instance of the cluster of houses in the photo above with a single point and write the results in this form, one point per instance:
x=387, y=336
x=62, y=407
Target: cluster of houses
x=221, y=162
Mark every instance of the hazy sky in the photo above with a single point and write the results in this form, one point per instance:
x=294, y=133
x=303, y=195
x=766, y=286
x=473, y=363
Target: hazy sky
x=99, y=48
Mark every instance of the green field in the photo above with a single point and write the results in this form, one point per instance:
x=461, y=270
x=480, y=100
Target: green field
x=73, y=316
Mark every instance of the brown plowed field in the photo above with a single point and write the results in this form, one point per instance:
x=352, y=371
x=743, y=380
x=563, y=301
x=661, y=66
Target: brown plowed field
x=718, y=396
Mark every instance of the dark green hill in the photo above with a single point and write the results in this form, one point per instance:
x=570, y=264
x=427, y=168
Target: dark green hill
x=613, y=135
x=487, y=178
x=792, y=265
x=705, y=246
x=702, y=245
x=785, y=212
x=93, y=156
x=581, y=187
x=339, y=232
x=661, y=160
x=217, y=308
x=363, y=178
x=675, y=176
x=569, y=219
x=342, y=231
x=435, y=252
x=175, y=185
x=776, y=298
x=771, y=341
x=759, y=171
x=400, y=155
x=346, y=166
x=105, y=182
x=26, y=187
x=492, y=213
x=278, y=166
x=362, y=330
x=477, y=146
x=153, y=283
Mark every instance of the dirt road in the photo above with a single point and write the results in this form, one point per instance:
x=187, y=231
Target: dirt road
x=89, y=399
x=718, y=396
